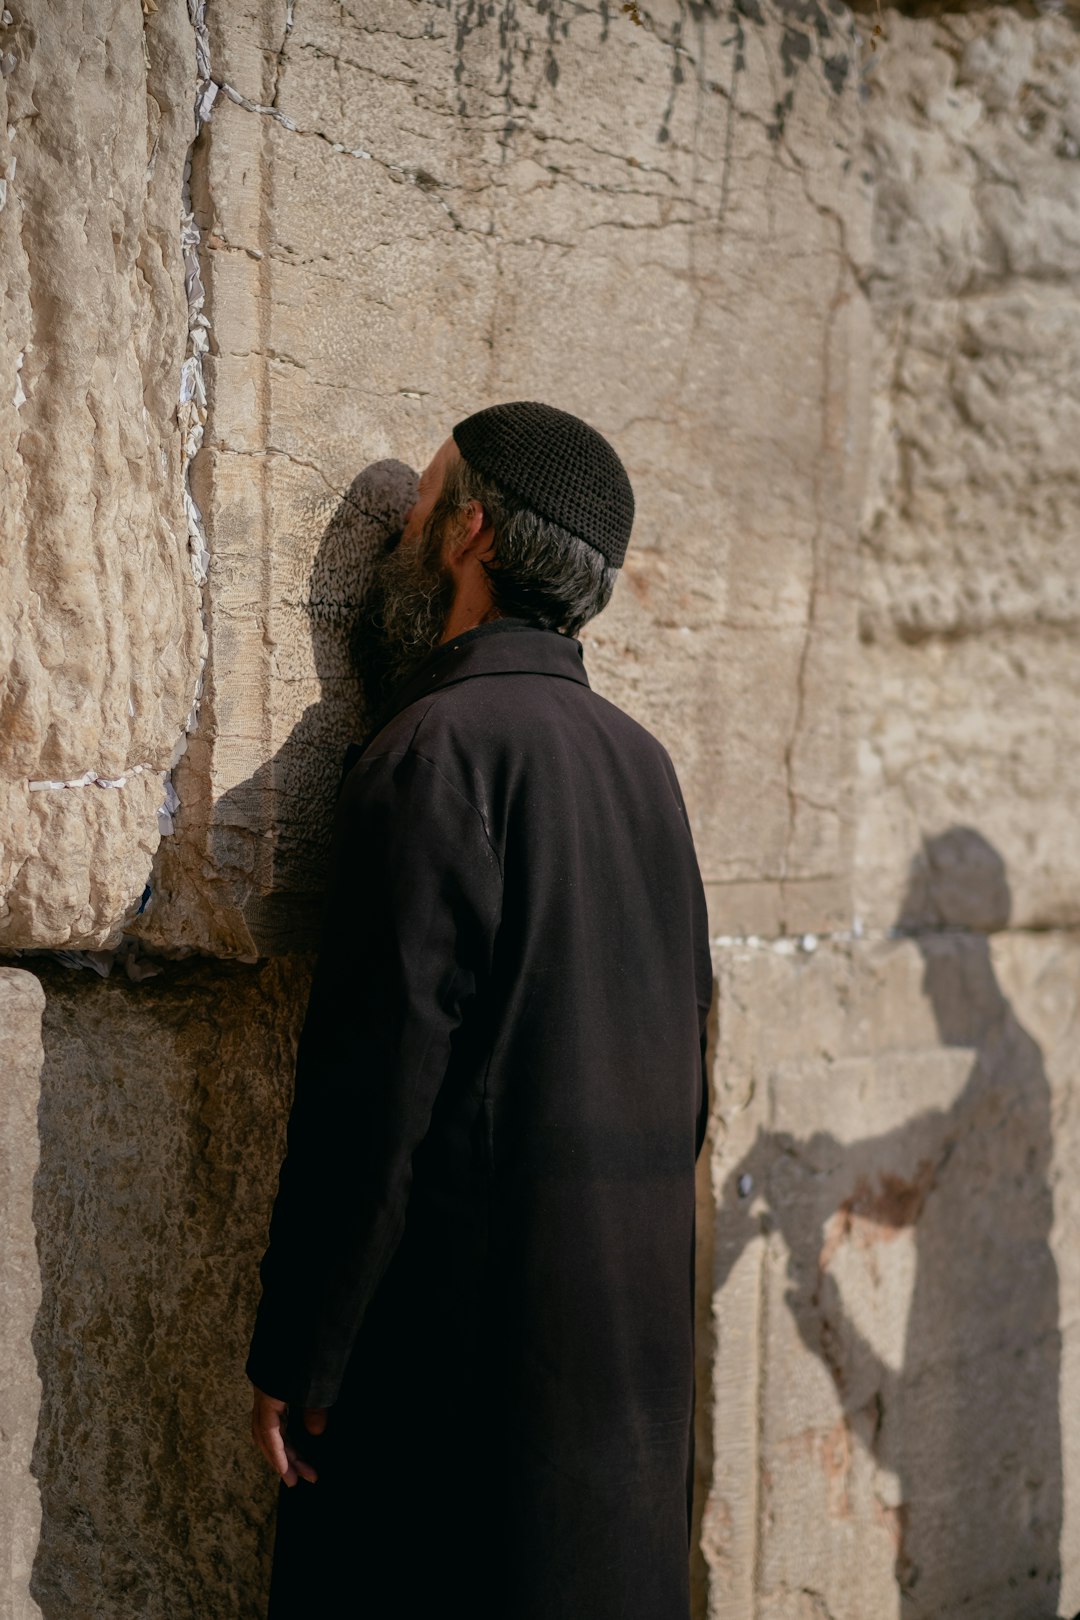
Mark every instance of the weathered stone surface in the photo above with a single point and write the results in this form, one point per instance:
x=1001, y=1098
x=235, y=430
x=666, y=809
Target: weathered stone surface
x=407, y=215
x=978, y=728
x=99, y=633
x=884, y=1329
x=246, y=873
x=970, y=682
x=896, y=1364
x=21, y=1004
x=405, y=212
x=162, y=1117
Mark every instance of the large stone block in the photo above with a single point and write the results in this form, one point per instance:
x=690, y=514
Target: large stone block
x=969, y=683
x=21, y=1004
x=99, y=622
x=896, y=1363
x=245, y=875
x=659, y=226
x=980, y=728
x=161, y=1126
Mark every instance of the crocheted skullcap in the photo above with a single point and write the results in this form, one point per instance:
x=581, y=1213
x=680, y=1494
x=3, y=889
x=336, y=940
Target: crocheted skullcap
x=560, y=467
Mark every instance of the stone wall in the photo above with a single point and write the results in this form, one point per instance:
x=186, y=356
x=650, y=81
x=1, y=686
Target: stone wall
x=258, y=260
x=894, y=1365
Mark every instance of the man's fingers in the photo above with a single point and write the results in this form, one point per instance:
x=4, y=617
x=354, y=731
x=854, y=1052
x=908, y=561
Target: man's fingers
x=304, y=1469
x=267, y=1419
x=272, y=1442
x=314, y=1419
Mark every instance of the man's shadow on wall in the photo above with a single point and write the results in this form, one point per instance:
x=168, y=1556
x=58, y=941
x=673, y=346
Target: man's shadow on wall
x=270, y=834
x=969, y=1425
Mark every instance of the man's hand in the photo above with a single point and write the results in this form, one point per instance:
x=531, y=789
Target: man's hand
x=268, y=1432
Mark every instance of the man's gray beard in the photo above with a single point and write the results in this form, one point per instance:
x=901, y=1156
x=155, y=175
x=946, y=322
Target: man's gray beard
x=404, y=613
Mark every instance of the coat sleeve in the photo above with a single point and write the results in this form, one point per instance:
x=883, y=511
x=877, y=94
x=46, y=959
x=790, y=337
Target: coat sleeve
x=414, y=899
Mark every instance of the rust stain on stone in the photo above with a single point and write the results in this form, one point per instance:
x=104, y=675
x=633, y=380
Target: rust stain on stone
x=831, y=1450
x=835, y=1456
x=877, y=1215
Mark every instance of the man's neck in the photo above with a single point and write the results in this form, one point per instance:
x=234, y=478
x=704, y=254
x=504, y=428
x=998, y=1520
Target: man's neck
x=466, y=615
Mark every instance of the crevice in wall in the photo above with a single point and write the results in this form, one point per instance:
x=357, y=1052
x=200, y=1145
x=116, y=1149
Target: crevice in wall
x=191, y=411
x=289, y=6
x=807, y=944
x=91, y=778
x=191, y=414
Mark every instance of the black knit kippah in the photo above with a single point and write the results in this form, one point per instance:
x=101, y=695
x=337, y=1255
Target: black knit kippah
x=560, y=467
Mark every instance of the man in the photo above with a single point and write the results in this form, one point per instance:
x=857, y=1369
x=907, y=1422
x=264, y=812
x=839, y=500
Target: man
x=473, y=1357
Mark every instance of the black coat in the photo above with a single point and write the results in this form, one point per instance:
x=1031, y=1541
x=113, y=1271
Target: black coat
x=481, y=1252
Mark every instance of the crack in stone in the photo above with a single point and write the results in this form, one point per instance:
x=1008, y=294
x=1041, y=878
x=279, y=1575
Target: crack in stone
x=552, y=139
x=359, y=67
x=838, y=300
x=718, y=221
x=280, y=59
x=638, y=225
x=264, y=354
x=218, y=244
x=191, y=413
x=273, y=450
x=818, y=1600
x=416, y=177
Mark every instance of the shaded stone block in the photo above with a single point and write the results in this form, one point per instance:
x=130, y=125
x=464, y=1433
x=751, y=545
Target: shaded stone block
x=161, y=1121
x=21, y=1004
x=894, y=1361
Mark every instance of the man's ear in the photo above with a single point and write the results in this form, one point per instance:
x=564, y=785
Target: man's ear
x=476, y=535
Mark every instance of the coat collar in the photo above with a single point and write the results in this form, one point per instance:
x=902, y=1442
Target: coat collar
x=502, y=647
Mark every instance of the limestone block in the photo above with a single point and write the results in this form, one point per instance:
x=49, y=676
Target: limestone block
x=21, y=1004
x=969, y=688
x=895, y=1374
x=246, y=874
x=980, y=728
x=162, y=1116
x=99, y=625
x=404, y=217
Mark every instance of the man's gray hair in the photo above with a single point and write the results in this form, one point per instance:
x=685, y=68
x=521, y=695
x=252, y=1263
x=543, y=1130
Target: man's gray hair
x=540, y=572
